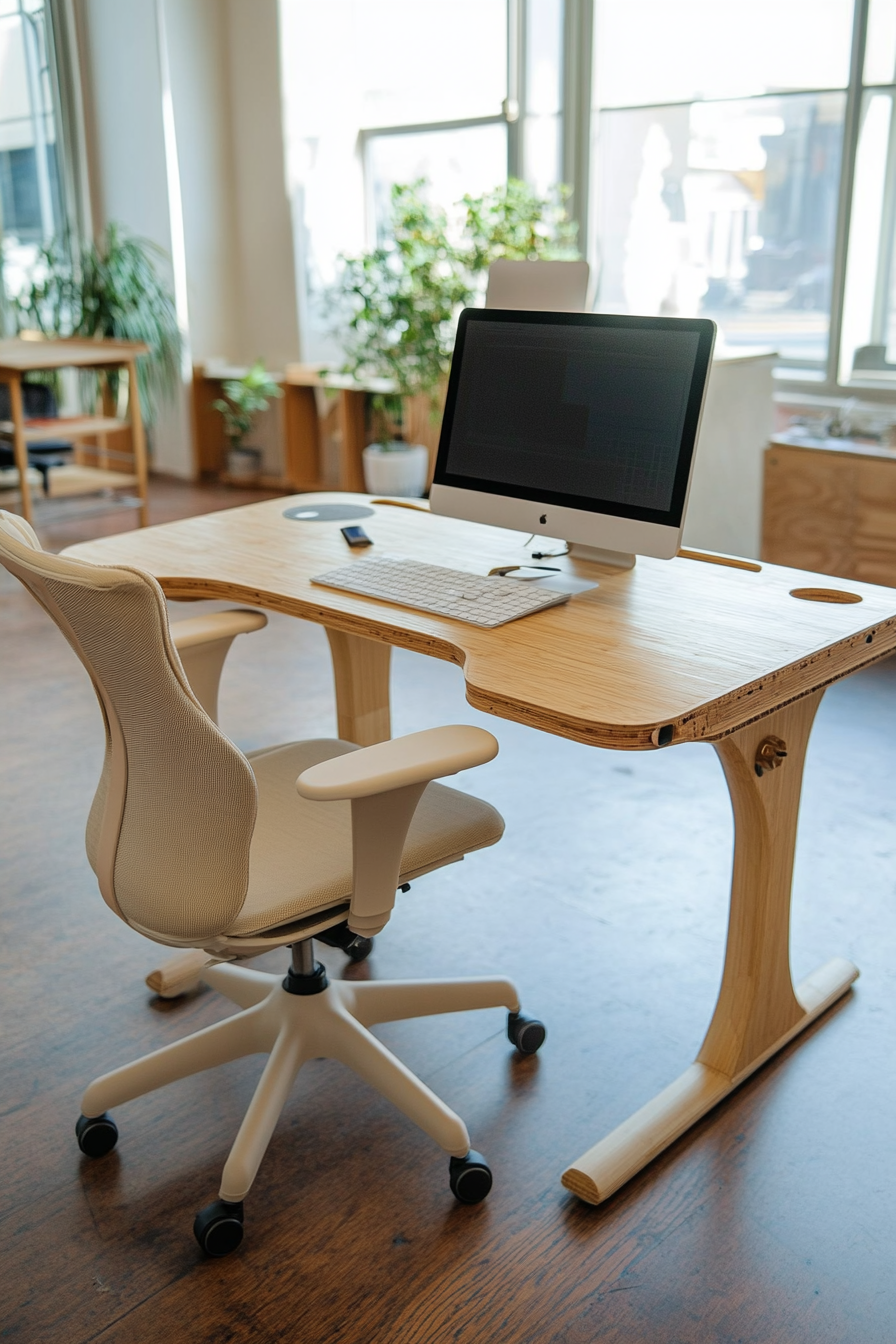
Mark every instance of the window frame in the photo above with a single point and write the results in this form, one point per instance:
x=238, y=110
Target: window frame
x=791, y=378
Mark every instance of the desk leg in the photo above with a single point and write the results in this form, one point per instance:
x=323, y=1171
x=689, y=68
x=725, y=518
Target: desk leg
x=351, y=425
x=361, y=673
x=758, y=1009
x=138, y=442
x=19, y=446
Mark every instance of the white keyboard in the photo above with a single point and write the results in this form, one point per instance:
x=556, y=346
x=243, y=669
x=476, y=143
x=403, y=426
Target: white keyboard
x=481, y=600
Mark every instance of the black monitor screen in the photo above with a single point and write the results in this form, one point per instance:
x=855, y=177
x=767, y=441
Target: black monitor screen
x=583, y=410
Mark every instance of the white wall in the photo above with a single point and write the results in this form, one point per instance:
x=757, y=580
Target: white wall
x=197, y=42
x=126, y=147
x=224, y=64
x=230, y=217
x=268, y=319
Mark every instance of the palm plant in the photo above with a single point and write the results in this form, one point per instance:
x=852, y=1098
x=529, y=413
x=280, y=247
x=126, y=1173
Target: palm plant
x=109, y=288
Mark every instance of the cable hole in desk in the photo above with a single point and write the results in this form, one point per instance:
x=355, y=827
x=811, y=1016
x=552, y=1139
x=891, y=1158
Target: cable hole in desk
x=824, y=595
x=327, y=513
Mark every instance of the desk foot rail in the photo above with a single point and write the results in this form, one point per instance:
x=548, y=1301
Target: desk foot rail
x=601, y=1171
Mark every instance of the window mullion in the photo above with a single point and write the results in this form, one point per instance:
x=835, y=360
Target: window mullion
x=578, y=25
x=883, y=270
x=851, y=128
x=515, y=102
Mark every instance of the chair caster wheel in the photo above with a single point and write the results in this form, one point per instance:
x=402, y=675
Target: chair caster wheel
x=360, y=949
x=355, y=946
x=219, y=1227
x=525, y=1032
x=470, y=1178
x=97, y=1135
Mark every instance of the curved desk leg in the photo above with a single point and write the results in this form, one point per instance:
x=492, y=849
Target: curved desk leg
x=361, y=673
x=758, y=1009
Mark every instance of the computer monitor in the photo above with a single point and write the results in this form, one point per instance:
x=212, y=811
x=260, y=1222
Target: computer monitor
x=580, y=426
x=549, y=286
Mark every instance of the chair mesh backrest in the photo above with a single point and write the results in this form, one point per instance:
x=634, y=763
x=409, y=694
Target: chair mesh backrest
x=169, y=830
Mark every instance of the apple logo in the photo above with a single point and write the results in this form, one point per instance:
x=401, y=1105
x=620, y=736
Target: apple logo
x=543, y=518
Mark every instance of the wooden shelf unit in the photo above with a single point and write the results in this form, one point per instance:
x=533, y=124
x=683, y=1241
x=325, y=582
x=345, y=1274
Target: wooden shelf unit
x=304, y=448
x=320, y=451
x=90, y=433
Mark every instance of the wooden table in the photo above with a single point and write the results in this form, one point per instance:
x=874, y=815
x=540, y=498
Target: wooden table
x=668, y=652
x=18, y=357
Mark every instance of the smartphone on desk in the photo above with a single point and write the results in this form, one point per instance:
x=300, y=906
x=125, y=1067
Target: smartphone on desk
x=356, y=536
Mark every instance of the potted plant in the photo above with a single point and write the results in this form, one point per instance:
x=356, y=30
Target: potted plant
x=400, y=304
x=243, y=398
x=391, y=465
x=400, y=301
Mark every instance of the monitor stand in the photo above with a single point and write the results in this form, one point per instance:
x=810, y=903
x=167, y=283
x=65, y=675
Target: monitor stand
x=618, y=559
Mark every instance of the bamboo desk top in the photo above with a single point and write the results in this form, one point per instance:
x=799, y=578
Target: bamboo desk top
x=701, y=646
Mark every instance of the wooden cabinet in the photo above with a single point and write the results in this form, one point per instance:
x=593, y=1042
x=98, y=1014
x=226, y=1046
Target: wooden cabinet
x=830, y=506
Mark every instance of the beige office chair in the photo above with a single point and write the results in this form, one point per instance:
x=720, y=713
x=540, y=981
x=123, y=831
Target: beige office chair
x=196, y=845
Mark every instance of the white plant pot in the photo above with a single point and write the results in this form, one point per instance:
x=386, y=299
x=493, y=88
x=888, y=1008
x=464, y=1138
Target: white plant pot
x=243, y=464
x=400, y=471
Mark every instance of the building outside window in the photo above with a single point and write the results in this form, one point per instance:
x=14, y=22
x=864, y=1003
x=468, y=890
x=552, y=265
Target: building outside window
x=744, y=168
x=30, y=199
x=718, y=151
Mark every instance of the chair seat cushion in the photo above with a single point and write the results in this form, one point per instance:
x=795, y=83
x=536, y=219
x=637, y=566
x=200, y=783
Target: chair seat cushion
x=300, y=860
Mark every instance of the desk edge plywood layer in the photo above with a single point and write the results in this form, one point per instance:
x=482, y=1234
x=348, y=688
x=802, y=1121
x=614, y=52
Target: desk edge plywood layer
x=822, y=658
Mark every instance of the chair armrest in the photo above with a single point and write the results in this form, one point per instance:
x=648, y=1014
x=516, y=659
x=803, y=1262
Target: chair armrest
x=203, y=643
x=416, y=758
x=384, y=784
x=213, y=625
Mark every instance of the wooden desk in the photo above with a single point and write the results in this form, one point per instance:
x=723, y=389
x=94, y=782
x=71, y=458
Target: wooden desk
x=678, y=651
x=18, y=357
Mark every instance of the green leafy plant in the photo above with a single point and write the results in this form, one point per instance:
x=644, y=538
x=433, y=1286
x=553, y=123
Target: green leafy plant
x=400, y=301
x=108, y=288
x=243, y=399
x=515, y=223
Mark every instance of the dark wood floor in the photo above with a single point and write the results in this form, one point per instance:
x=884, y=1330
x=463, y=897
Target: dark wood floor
x=771, y=1223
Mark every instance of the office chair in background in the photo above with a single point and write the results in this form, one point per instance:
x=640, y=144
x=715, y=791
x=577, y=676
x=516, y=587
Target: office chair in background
x=540, y=286
x=196, y=845
x=38, y=403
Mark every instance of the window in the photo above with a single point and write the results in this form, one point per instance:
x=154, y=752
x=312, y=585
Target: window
x=868, y=342
x=718, y=155
x=729, y=159
x=30, y=201
x=377, y=94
